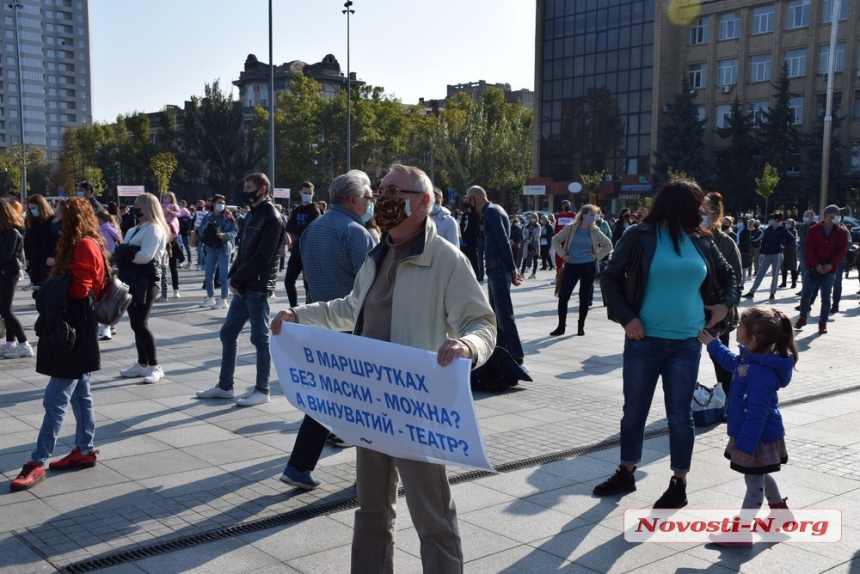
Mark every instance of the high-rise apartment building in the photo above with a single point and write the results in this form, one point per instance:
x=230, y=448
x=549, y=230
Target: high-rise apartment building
x=605, y=70
x=54, y=40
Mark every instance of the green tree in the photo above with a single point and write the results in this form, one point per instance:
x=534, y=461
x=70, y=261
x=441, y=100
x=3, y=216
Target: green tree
x=735, y=175
x=212, y=126
x=766, y=184
x=39, y=170
x=679, y=140
x=778, y=139
x=163, y=165
x=590, y=182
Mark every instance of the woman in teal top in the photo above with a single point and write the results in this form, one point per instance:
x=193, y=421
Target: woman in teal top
x=665, y=282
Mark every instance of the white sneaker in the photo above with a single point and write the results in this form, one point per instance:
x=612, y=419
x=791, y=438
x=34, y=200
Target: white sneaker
x=221, y=304
x=553, y=281
x=136, y=370
x=198, y=268
x=176, y=293
x=154, y=373
x=22, y=350
x=162, y=299
x=253, y=399
x=186, y=265
x=532, y=276
x=7, y=347
x=104, y=333
x=215, y=393
x=208, y=302
x=113, y=330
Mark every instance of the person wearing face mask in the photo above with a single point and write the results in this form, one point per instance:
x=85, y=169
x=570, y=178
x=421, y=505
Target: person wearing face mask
x=139, y=262
x=86, y=190
x=531, y=245
x=501, y=272
x=334, y=248
x=773, y=241
x=38, y=244
x=412, y=278
x=825, y=248
x=756, y=235
x=789, y=255
x=252, y=279
x=446, y=225
x=218, y=234
x=580, y=245
x=802, y=229
x=300, y=218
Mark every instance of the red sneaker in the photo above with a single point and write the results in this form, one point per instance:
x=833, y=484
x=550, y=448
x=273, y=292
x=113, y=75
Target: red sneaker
x=75, y=459
x=32, y=474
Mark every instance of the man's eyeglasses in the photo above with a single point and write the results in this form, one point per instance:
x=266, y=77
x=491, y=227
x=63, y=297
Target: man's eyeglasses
x=394, y=191
x=367, y=198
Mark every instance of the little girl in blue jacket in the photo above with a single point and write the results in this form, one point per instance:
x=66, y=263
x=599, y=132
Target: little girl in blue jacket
x=756, y=445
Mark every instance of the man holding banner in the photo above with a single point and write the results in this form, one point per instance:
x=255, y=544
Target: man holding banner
x=414, y=289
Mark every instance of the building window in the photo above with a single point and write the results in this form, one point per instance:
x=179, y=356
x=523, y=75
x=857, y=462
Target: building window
x=855, y=156
x=700, y=113
x=821, y=105
x=793, y=166
x=728, y=72
x=723, y=114
x=758, y=112
x=797, y=14
x=730, y=26
x=796, y=60
x=824, y=58
x=699, y=31
x=697, y=74
x=796, y=106
x=827, y=12
x=760, y=68
x=762, y=20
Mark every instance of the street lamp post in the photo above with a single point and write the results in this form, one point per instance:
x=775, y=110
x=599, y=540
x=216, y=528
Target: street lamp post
x=828, y=108
x=271, y=107
x=348, y=11
x=18, y=6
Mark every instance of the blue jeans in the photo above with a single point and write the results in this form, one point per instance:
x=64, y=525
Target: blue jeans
x=201, y=253
x=187, y=247
x=499, y=286
x=837, y=282
x=253, y=306
x=217, y=259
x=58, y=394
x=677, y=362
x=825, y=286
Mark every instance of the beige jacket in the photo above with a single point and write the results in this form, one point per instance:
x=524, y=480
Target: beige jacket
x=601, y=245
x=436, y=296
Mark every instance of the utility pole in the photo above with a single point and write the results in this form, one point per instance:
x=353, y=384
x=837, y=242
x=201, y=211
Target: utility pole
x=348, y=11
x=18, y=6
x=828, y=113
x=271, y=108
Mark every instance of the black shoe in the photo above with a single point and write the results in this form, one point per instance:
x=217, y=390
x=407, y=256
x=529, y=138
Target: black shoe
x=620, y=482
x=675, y=496
x=822, y=327
x=782, y=285
x=772, y=296
x=558, y=331
x=834, y=309
x=580, y=332
x=749, y=295
x=797, y=308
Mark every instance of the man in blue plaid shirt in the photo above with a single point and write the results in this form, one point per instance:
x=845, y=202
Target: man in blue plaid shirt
x=333, y=249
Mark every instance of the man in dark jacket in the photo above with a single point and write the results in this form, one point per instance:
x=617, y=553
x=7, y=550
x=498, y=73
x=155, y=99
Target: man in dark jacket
x=252, y=279
x=300, y=218
x=86, y=190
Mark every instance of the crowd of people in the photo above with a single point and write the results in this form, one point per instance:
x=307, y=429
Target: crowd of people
x=372, y=251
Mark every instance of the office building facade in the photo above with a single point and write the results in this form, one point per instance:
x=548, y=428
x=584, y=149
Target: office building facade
x=606, y=70
x=54, y=41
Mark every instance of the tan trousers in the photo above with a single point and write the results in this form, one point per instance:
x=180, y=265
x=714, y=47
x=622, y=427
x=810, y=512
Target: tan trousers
x=431, y=506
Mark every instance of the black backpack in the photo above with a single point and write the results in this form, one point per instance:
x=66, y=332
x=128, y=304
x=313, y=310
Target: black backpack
x=210, y=237
x=184, y=225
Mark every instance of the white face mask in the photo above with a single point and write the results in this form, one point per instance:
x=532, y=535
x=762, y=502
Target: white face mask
x=807, y=219
x=837, y=219
x=306, y=198
x=705, y=221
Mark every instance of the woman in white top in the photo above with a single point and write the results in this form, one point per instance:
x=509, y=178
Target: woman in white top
x=150, y=235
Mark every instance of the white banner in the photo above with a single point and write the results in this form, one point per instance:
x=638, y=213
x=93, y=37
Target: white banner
x=130, y=190
x=282, y=192
x=389, y=398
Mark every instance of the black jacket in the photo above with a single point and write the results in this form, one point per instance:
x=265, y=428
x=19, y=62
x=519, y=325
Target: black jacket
x=11, y=252
x=623, y=282
x=301, y=217
x=38, y=246
x=56, y=312
x=256, y=265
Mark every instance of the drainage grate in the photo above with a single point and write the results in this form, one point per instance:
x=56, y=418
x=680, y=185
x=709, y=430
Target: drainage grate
x=301, y=514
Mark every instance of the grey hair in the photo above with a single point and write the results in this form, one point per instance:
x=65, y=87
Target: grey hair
x=419, y=179
x=353, y=182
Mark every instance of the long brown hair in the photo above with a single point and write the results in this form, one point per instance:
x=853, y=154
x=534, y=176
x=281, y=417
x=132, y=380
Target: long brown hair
x=9, y=218
x=79, y=221
x=676, y=208
x=46, y=213
x=773, y=331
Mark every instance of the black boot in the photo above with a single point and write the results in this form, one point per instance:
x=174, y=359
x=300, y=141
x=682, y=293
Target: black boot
x=580, y=329
x=558, y=330
x=562, y=321
x=675, y=496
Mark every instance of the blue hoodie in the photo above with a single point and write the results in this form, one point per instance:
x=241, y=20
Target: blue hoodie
x=752, y=412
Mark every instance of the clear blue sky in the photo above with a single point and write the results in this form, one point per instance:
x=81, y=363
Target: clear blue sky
x=156, y=52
